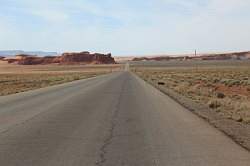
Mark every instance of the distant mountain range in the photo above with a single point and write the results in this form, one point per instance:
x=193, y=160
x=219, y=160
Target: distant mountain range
x=10, y=53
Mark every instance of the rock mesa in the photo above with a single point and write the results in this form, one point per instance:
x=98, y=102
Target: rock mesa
x=65, y=58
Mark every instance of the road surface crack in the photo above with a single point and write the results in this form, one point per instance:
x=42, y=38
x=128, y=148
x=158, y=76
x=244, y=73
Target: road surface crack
x=108, y=140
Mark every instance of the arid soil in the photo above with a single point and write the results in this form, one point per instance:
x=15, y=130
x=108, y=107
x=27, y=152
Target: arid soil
x=16, y=78
x=220, y=94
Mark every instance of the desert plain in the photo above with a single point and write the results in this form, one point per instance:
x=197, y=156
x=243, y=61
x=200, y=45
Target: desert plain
x=217, y=91
x=19, y=78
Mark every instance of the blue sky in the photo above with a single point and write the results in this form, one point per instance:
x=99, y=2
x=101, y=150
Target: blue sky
x=125, y=27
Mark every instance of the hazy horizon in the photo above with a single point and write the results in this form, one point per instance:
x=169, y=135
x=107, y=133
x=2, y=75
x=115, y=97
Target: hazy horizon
x=126, y=27
x=117, y=56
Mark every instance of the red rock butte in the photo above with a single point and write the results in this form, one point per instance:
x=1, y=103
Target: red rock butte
x=65, y=58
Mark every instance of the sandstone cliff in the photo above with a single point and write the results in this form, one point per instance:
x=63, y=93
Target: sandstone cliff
x=65, y=58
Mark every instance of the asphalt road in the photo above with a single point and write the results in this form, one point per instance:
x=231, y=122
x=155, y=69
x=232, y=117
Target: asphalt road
x=111, y=120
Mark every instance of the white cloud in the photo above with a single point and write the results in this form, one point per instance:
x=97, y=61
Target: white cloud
x=160, y=26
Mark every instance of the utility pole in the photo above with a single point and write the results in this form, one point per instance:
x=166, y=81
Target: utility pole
x=196, y=66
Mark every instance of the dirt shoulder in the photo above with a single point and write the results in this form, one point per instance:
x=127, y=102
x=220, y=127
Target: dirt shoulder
x=229, y=122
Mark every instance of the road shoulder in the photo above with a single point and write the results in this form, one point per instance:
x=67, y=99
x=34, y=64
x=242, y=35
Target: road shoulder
x=237, y=131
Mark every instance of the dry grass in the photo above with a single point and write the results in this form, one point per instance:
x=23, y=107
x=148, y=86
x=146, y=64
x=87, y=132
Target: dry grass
x=15, y=78
x=224, y=89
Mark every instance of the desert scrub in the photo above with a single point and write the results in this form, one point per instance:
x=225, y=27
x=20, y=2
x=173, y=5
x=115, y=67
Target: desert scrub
x=225, y=90
x=14, y=83
x=214, y=104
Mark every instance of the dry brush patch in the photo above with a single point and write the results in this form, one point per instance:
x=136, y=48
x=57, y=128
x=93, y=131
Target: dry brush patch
x=225, y=90
x=15, y=79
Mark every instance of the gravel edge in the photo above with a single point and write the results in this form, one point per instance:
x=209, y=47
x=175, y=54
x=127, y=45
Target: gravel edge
x=237, y=131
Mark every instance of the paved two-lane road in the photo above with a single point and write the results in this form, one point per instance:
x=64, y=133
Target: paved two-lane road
x=111, y=120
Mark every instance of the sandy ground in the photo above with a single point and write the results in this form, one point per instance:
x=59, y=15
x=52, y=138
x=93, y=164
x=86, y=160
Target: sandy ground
x=20, y=78
x=9, y=68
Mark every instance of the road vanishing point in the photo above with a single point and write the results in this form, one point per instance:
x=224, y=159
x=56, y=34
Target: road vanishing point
x=110, y=120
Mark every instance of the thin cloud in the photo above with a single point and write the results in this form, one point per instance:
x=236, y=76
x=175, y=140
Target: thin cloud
x=126, y=27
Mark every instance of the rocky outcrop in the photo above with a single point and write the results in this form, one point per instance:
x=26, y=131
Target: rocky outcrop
x=224, y=56
x=32, y=60
x=86, y=57
x=141, y=59
x=157, y=58
x=65, y=58
x=228, y=56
